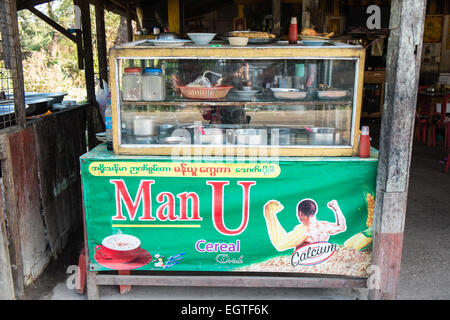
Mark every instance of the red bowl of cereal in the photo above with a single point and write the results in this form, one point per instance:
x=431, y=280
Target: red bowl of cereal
x=119, y=248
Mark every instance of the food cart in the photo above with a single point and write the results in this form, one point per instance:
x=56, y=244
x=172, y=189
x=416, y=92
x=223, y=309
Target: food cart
x=231, y=166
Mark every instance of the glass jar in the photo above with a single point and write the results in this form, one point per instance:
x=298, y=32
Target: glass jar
x=132, y=84
x=153, y=85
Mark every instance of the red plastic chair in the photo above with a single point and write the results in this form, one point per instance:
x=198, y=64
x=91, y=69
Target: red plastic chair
x=422, y=119
x=445, y=123
x=421, y=127
x=441, y=122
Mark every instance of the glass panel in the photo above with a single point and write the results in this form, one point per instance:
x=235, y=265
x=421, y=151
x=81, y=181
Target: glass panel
x=287, y=102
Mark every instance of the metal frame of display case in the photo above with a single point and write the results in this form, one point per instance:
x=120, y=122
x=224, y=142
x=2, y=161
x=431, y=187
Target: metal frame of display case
x=276, y=52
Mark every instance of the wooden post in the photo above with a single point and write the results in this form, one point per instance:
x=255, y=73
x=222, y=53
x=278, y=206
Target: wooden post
x=396, y=140
x=173, y=7
x=6, y=275
x=78, y=35
x=276, y=15
x=129, y=23
x=87, y=50
x=13, y=56
x=311, y=15
x=336, y=8
x=101, y=41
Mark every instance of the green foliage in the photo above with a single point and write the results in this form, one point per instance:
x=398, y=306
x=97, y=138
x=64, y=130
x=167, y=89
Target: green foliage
x=50, y=59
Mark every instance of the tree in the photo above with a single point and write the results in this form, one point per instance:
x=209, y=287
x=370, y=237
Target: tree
x=50, y=59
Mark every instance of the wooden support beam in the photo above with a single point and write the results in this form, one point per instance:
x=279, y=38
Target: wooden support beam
x=6, y=276
x=87, y=50
x=26, y=4
x=53, y=24
x=276, y=16
x=79, y=36
x=311, y=15
x=173, y=8
x=101, y=40
x=336, y=8
x=402, y=78
x=129, y=17
x=228, y=281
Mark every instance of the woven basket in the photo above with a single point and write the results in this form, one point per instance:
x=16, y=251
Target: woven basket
x=205, y=93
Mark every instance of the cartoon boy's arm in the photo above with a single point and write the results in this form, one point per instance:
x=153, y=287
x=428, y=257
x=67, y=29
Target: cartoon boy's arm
x=340, y=225
x=280, y=239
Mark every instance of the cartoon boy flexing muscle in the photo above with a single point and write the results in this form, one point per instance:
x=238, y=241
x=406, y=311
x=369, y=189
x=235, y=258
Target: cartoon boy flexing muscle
x=309, y=230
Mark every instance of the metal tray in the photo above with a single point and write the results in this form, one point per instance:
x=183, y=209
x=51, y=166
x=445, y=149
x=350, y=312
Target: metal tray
x=251, y=40
x=289, y=93
x=332, y=94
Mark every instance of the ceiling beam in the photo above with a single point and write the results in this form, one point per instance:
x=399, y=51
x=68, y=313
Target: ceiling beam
x=52, y=23
x=26, y=4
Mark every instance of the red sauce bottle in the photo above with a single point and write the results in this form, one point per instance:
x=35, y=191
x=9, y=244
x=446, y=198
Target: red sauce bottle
x=293, y=31
x=364, y=143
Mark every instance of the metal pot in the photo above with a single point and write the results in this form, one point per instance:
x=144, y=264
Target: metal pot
x=37, y=106
x=212, y=136
x=145, y=126
x=168, y=36
x=322, y=136
x=250, y=136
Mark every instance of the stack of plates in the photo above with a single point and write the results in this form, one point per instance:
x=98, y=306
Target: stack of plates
x=101, y=136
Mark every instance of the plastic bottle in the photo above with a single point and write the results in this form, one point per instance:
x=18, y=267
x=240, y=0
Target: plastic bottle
x=293, y=31
x=108, y=124
x=364, y=143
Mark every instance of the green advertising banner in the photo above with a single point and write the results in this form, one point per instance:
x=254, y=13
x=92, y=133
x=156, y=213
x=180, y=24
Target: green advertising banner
x=306, y=215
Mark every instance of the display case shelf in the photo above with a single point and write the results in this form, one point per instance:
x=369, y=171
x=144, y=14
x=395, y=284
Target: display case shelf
x=183, y=102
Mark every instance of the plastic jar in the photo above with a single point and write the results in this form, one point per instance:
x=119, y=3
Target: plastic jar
x=132, y=84
x=153, y=85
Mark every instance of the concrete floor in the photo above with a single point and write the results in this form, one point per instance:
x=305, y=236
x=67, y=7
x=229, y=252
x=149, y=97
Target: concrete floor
x=425, y=270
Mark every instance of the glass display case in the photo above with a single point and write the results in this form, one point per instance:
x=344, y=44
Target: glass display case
x=241, y=101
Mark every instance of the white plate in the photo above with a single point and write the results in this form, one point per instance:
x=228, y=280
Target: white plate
x=169, y=43
x=315, y=42
x=101, y=136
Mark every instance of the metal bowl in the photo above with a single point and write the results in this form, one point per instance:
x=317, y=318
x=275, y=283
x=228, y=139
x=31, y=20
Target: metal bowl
x=332, y=94
x=289, y=94
x=168, y=36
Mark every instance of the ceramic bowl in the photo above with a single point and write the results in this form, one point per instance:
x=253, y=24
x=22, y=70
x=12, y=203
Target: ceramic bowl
x=238, y=41
x=201, y=39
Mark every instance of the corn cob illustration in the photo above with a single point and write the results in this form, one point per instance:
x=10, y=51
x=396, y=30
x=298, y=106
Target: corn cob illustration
x=362, y=239
x=370, y=206
x=358, y=241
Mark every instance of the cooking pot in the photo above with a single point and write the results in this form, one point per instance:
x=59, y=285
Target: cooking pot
x=322, y=136
x=251, y=136
x=212, y=136
x=145, y=126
